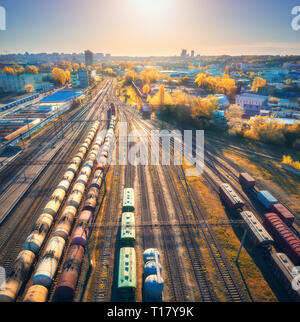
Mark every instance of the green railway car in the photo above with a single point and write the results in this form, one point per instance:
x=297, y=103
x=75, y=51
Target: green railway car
x=127, y=273
x=128, y=200
x=127, y=236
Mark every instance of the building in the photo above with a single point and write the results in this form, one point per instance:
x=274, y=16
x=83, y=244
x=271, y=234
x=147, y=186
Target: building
x=252, y=103
x=193, y=53
x=89, y=58
x=16, y=84
x=184, y=53
x=83, y=78
x=75, y=80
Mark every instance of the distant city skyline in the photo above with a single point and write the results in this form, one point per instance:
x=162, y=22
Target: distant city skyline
x=150, y=28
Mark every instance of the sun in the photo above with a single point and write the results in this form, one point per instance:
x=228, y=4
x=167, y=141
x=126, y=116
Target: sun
x=151, y=6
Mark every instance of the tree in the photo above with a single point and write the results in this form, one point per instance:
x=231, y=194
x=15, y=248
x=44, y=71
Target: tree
x=146, y=89
x=233, y=116
x=8, y=70
x=75, y=66
x=258, y=82
x=204, y=107
x=59, y=76
x=274, y=100
x=29, y=88
x=31, y=70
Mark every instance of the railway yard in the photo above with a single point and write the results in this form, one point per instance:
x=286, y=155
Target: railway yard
x=76, y=227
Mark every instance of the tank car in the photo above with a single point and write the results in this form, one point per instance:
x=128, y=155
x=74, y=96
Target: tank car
x=37, y=236
x=17, y=276
x=66, y=287
x=36, y=294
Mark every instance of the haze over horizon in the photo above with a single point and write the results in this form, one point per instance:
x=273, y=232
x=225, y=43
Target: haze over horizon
x=150, y=28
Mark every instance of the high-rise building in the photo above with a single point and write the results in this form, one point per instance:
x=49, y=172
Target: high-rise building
x=89, y=58
x=193, y=53
x=184, y=53
x=83, y=78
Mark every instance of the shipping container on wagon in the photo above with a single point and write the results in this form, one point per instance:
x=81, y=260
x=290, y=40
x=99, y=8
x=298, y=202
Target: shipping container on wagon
x=284, y=237
x=246, y=180
x=283, y=213
x=230, y=197
x=266, y=199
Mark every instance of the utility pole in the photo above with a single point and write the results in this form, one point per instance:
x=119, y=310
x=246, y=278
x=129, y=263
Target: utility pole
x=242, y=244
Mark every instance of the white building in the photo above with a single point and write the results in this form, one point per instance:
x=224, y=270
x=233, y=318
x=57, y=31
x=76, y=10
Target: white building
x=16, y=84
x=252, y=103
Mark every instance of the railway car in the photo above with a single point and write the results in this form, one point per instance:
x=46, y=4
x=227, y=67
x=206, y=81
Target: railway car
x=58, y=194
x=256, y=231
x=76, y=195
x=287, y=274
x=128, y=200
x=285, y=215
x=230, y=197
x=81, y=234
x=17, y=276
x=37, y=236
x=154, y=286
x=65, y=222
x=266, y=199
x=127, y=236
x=102, y=163
x=127, y=273
x=151, y=268
x=52, y=207
x=246, y=180
x=46, y=270
x=284, y=237
x=149, y=254
x=36, y=294
x=83, y=178
x=91, y=199
x=97, y=180
x=66, y=287
x=64, y=185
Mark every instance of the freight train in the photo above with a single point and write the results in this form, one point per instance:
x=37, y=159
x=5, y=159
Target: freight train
x=153, y=281
x=65, y=290
x=277, y=223
x=47, y=267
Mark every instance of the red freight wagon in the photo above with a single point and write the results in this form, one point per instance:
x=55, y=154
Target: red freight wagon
x=246, y=180
x=283, y=213
x=284, y=237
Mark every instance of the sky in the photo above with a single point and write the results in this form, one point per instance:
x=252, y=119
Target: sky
x=150, y=27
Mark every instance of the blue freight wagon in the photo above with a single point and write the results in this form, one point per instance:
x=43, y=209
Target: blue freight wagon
x=266, y=199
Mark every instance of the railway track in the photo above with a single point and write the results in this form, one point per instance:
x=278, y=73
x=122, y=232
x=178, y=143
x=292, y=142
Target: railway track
x=104, y=270
x=12, y=239
x=171, y=256
x=226, y=272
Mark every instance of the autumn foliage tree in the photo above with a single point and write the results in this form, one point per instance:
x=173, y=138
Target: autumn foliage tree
x=59, y=76
x=216, y=85
x=258, y=82
x=29, y=88
x=31, y=70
